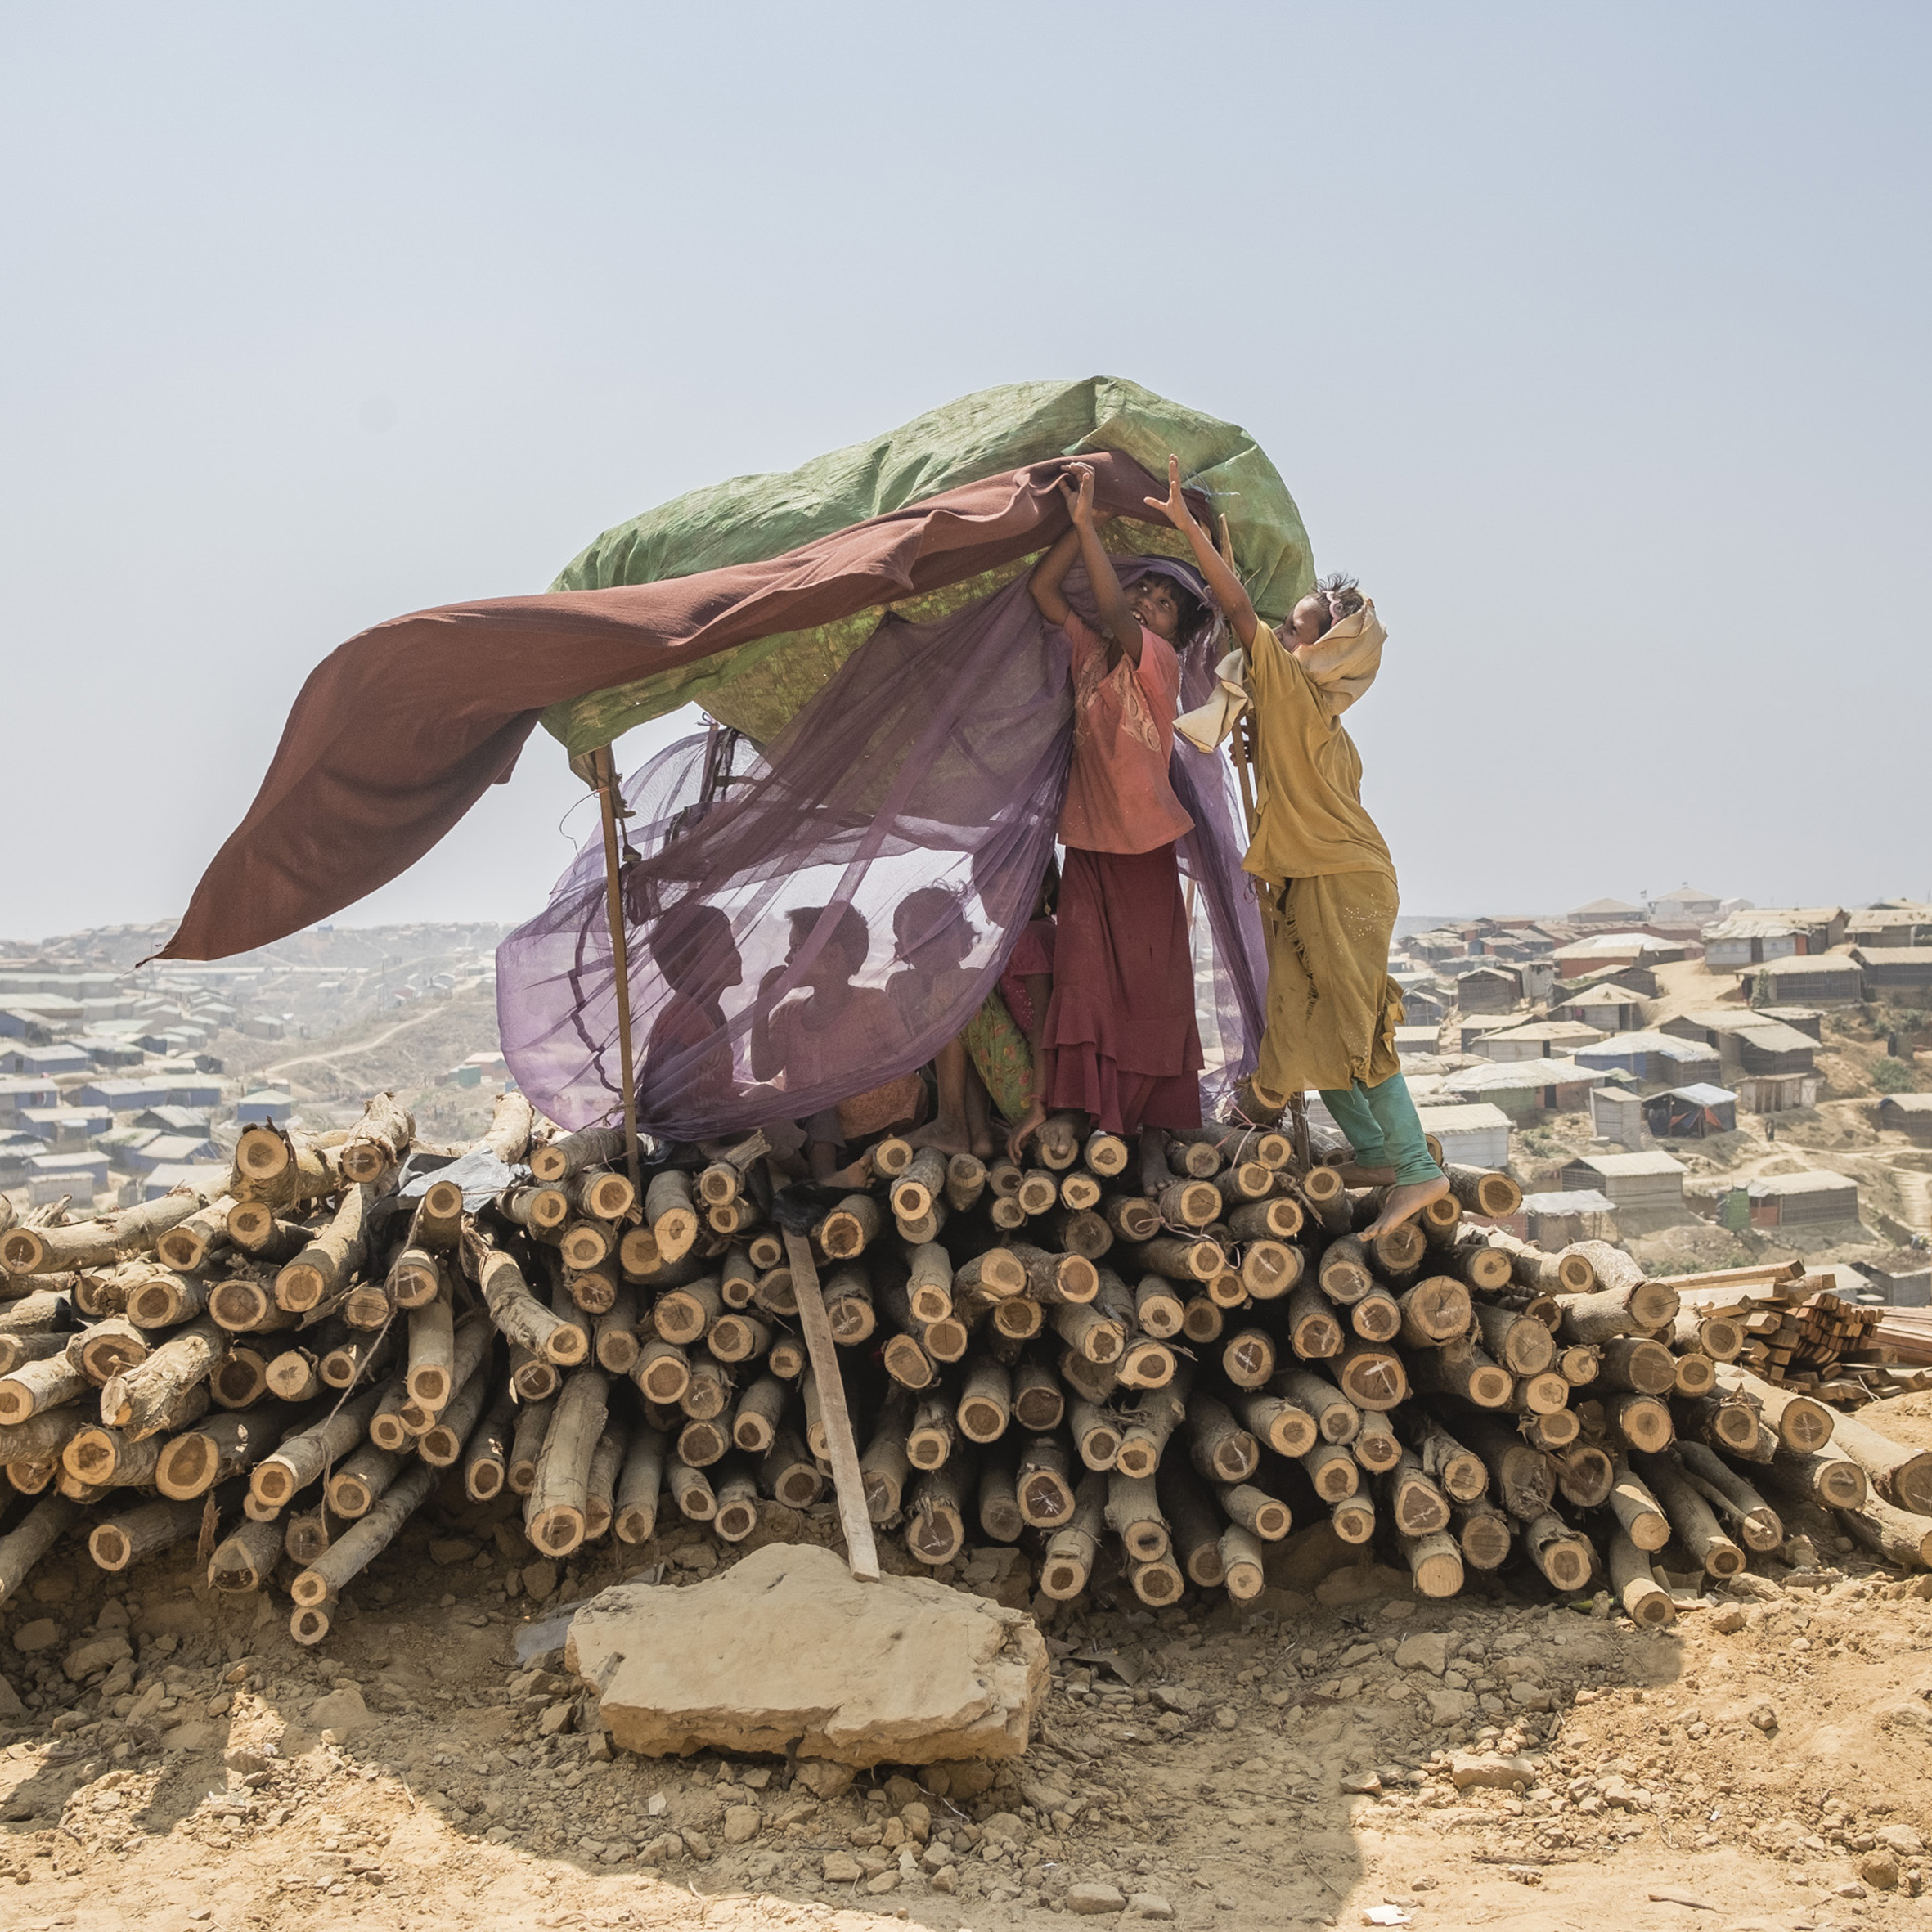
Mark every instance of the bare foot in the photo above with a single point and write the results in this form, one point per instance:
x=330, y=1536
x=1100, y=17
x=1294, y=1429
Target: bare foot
x=1403, y=1204
x=949, y=1136
x=1355, y=1174
x=859, y=1173
x=1154, y=1175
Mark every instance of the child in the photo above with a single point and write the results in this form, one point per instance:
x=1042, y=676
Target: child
x=830, y=1028
x=933, y=938
x=688, y=1055
x=1120, y=1042
x=1330, y=891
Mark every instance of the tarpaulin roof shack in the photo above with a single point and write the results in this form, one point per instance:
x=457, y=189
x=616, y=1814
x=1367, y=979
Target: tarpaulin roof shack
x=750, y=598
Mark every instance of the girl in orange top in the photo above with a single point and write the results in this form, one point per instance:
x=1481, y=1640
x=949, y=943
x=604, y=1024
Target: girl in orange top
x=1120, y=1042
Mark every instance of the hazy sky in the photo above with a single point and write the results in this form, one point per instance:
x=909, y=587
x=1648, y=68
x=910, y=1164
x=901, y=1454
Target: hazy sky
x=1594, y=339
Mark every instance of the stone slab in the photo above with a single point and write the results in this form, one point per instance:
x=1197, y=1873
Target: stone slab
x=786, y=1650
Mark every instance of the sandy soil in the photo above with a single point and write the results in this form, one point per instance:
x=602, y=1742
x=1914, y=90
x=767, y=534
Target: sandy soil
x=1289, y=1767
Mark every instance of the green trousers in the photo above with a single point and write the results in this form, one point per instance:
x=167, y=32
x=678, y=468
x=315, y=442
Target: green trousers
x=1383, y=1128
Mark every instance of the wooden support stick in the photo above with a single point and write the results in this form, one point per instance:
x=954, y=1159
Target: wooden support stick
x=861, y=1552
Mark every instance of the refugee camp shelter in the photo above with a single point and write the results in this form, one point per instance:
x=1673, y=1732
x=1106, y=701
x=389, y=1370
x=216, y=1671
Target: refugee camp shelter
x=1687, y=905
x=1471, y=1027
x=173, y=1120
x=1616, y=1113
x=1909, y=1114
x=1489, y=989
x=1424, y=1003
x=1900, y=973
x=1823, y=979
x=20, y=1093
x=1602, y=949
x=1579, y=1213
x=1538, y=978
x=38, y=1019
x=1903, y=1282
x=1891, y=922
x=61, y=1056
x=1601, y=913
x=1537, y=1040
x=1661, y=1059
x=82, y=1175
x=1815, y=1198
x=1608, y=1008
x=1764, y=934
x=1475, y=1136
x=1525, y=1090
x=1644, y=1188
x=64, y=1128
x=266, y=1107
x=1691, y=1113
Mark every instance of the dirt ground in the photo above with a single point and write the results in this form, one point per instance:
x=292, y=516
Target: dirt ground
x=1764, y=1762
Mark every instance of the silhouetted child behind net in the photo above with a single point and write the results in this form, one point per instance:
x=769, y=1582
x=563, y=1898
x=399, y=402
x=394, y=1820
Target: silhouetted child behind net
x=828, y=1028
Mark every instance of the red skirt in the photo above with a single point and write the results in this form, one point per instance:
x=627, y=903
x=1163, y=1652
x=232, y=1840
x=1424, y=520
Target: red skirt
x=1120, y=1042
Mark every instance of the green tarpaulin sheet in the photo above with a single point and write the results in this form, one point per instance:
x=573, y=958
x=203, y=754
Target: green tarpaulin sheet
x=758, y=686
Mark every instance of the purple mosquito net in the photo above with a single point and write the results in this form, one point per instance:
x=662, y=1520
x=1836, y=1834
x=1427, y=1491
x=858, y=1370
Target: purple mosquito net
x=885, y=851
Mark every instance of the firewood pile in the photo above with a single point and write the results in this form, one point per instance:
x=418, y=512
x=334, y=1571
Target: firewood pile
x=1800, y=1333
x=1156, y=1386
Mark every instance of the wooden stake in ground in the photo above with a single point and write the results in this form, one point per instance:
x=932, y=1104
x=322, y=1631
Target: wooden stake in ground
x=848, y=1484
x=602, y=775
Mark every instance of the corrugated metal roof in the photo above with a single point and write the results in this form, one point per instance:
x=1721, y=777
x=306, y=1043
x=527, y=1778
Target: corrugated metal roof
x=1655, y=1161
x=1796, y=965
x=1772, y=1036
x=1702, y=1093
x=1550, y=1030
x=1618, y=1045
x=1574, y=1200
x=1814, y=1181
x=1474, y=1114
x=1520, y=1075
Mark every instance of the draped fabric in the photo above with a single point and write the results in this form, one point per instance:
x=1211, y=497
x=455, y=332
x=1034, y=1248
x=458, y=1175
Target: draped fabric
x=824, y=918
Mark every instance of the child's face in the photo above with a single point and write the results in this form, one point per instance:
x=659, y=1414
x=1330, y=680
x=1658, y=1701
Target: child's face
x=1153, y=602
x=1309, y=620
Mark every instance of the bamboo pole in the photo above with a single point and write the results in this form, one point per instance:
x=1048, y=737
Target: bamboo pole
x=604, y=780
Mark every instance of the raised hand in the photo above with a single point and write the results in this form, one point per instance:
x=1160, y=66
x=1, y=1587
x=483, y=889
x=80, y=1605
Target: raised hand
x=1079, y=498
x=1175, y=508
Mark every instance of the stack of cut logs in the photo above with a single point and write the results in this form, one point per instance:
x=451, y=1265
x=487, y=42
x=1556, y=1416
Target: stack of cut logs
x=1151, y=1387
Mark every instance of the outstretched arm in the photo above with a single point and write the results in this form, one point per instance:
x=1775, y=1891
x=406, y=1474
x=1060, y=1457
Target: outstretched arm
x=1221, y=580
x=1117, y=621
x=1049, y=574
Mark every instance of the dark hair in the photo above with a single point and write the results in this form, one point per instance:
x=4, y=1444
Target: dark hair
x=1344, y=599
x=689, y=939
x=1192, y=611
x=851, y=933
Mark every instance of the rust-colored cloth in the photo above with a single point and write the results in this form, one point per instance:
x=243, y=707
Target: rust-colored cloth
x=1332, y=1009
x=398, y=732
x=1119, y=798
x=1120, y=1042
